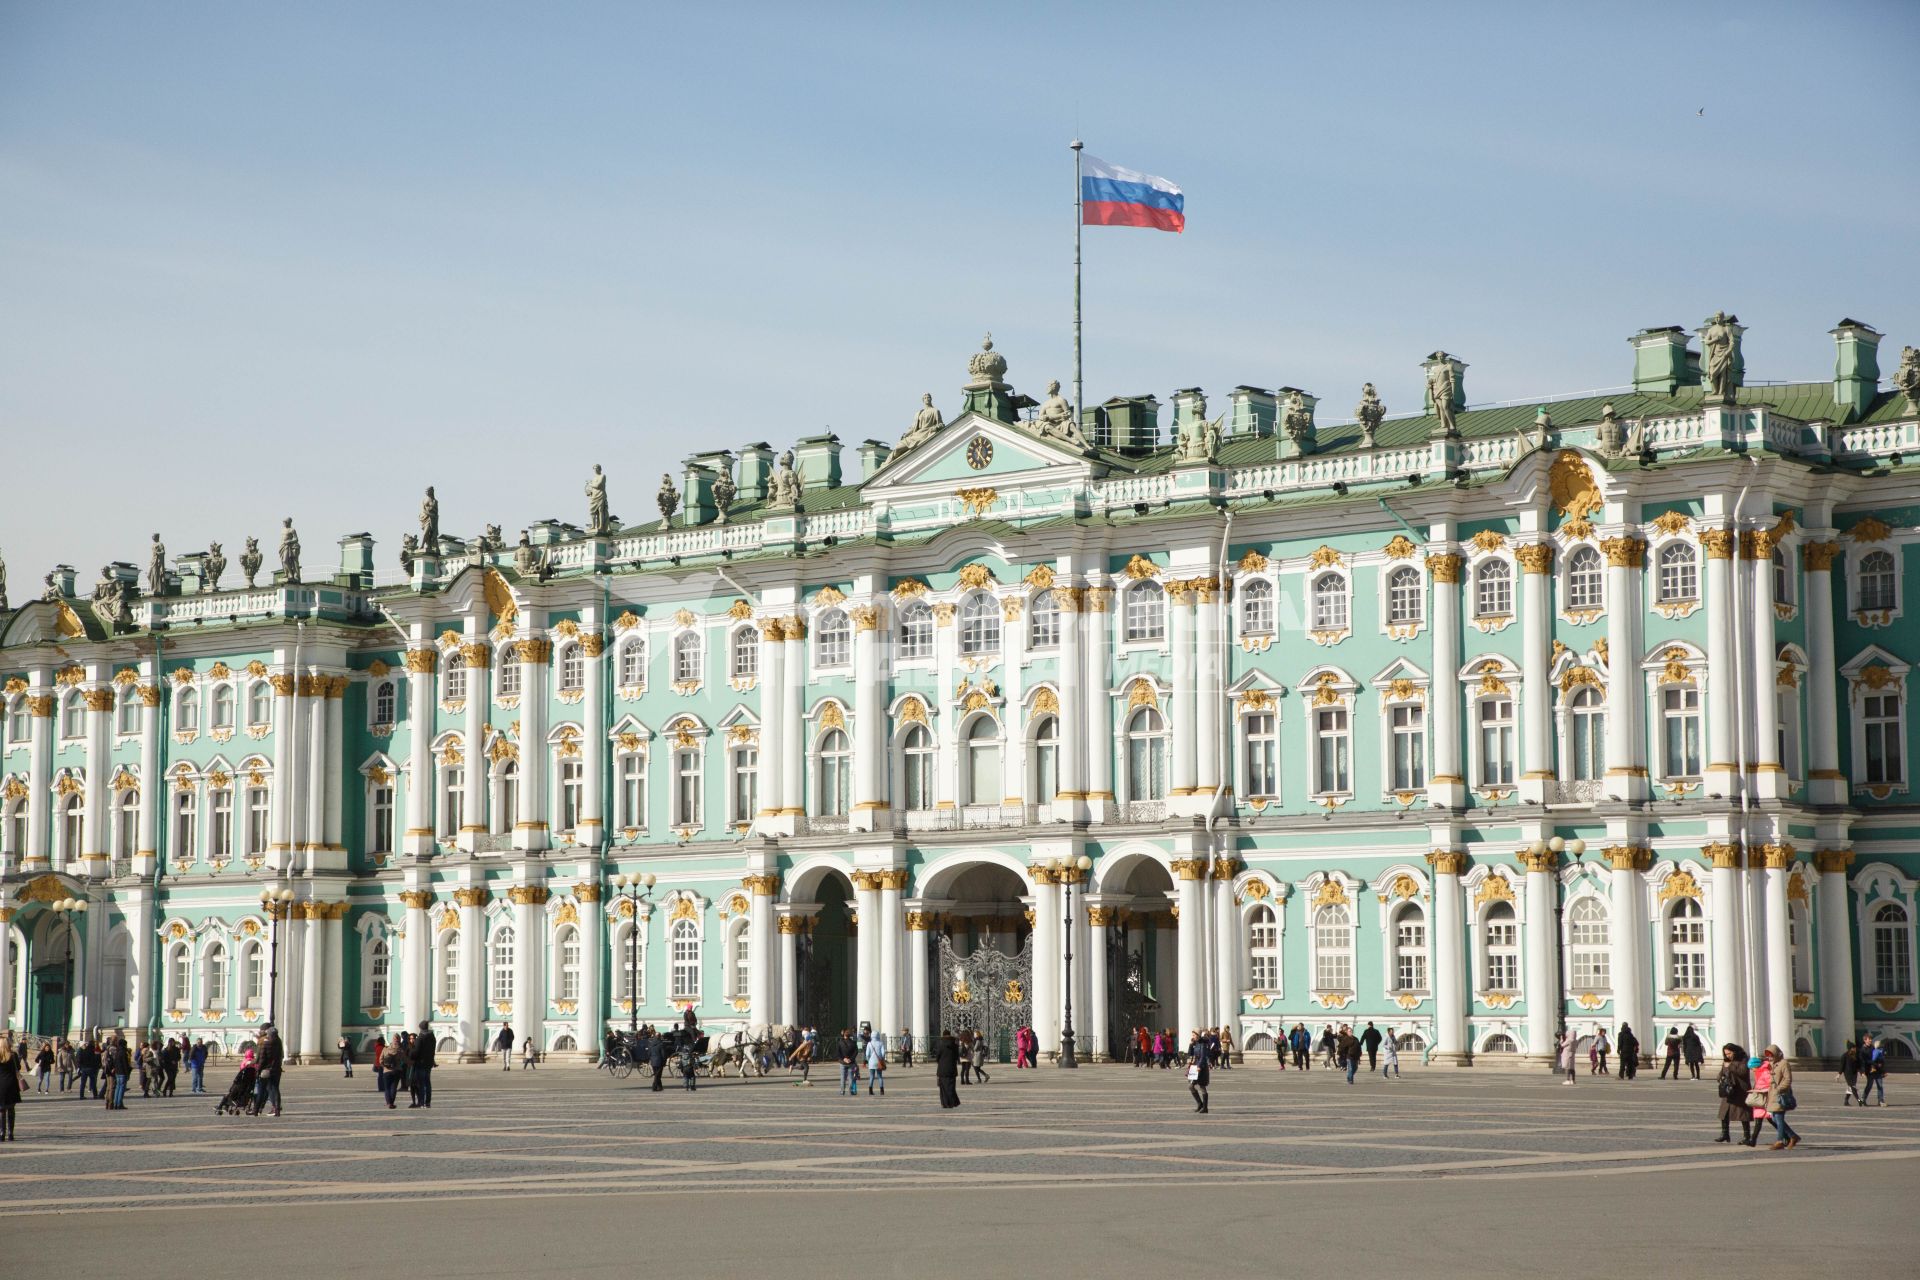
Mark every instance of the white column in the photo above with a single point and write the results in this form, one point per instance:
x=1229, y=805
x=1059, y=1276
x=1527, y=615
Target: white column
x=1629, y=933
x=40, y=709
x=1092, y=1036
x=99, y=696
x=1226, y=949
x=530, y=828
x=1190, y=930
x=593, y=947
x=1536, y=693
x=1835, y=978
x=529, y=949
x=477, y=656
x=1729, y=1007
x=1722, y=691
x=292, y=981
x=1779, y=953
x=335, y=764
x=1826, y=784
x=919, y=1003
x=416, y=978
x=887, y=1015
x=870, y=812
x=1014, y=771
x=137, y=902
x=1182, y=712
x=1450, y=961
x=1097, y=750
x=763, y=960
x=790, y=927
x=332, y=928
x=285, y=797
x=773, y=707
x=1626, y=777
x=1447, y=787
x=1047, y=950
x=1545, y=986
x=866, y=995
x=1071, y=800
x=591, y=830
x=315, y=731
x=472, y=998
x=1769, y=778
x=422, y=663
x=793, y=747
x=1208, y=692
x=152, y=786
x=313, y=964
x=6, y=968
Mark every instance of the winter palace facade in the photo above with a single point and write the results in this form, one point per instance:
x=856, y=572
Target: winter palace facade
x=1476, y=723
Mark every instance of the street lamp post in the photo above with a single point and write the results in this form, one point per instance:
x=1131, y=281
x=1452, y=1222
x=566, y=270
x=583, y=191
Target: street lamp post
x=634, y=889
x=71, y=910
x=1069, y=872
x=276, y=903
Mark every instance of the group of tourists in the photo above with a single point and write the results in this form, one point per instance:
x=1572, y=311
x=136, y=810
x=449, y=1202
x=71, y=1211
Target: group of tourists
x=404, y=1062
x=1148, y=1048
x=1755, y=1091
x=1863, y=1068
x=93, y=1064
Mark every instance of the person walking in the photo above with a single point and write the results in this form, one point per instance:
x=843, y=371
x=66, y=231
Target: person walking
x=966, y=1057
x=1779, y=1097
x=529, y=1055
x=197, y=1066
x=1346, y=1051
x=979, y=1059
x=1567, y=1048
x=1390, y=1057
x=13, y=1075
x=1735, y=1082
x=389, y=1066
x=1629, y=1046
x=503, y=1044
x=344, y=1047
x=1330, y=1046
x=1199, y=1076
x=1226, y=1048
x=1370, y=1040
x=270, y=1063
x=1672, y=1060
x=657, y=1059
x=1302, y=1047
x=119, y=1068
x=877, y=1064
x=847, y=1053
x=1598, y=1066
x=1850, y=1073
x=43, y=1069
x=904, y=1047
x=170, y=1055
x=1873, y=1069
x=63, y=1060
x=420, y=1068
x=946, y=1069
x=1692, y=1051
x=86, y=1060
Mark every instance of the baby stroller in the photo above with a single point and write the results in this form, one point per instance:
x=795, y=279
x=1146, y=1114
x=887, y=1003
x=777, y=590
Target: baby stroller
x=239, y=1099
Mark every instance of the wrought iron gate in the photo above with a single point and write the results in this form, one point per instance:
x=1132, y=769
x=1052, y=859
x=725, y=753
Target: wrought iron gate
x=988, y=992
x=1130, y=1002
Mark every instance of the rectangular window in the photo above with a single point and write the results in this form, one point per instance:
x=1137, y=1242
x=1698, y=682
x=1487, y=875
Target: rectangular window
x=1263, y=751
x=1496, y=742
x=381, y=838
x=633, y=790
x=572, y=781
x=1680, y=755
x=221, y=843
x=1330, y=750
x=1409, y=730
x=746, y=783
x=1880, y=722
x=686, y=789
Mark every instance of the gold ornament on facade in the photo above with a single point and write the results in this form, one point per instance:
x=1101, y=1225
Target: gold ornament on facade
x=1140, y=568
x=75, y=674
x=1404, y=886
x=1402, y=689
x=1877, y=677
x=1040, y=577
x=1324, y=557
x=1625, y=553
x=536, y=650
x=865, y=616
x=98, y=699
x=1444, y=569
x=1331, y=893
x=419, y=662
x=1489, y=540
x=1870, y=529
x=684, y=618
x=977, y=501
x=528, y=895
x=1832, y=861
x=943, y=614
x=627, y=621
x=1571, y=487
x=1680, y=884
x=1776, y=857
x=418, y=900
x=473, y=896
x=829, y=595
x=1253, y=562
x=1536, y=557
x=593, y=644
x=832, y=717
x=1818, y=557
x=123, y=677
x=1141, y=693
x=1672, y=522
x=1447, y=862
x=1255, y=699
x=182, y=675
x=1326, y=690
x=1492, y=685
x=40, y=706
x=1718, y=543
x=1721, y=854
x=1676, y=672
x=907, y=588
x=1400, y=547
x=1493, y=889
x=684, y=909
x=377, y=668
x=1582, y=675
x=1575, y=531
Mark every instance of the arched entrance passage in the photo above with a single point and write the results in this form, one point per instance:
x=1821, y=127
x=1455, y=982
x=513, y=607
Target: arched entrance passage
x=1143, y=963
x=821, y=901
x=979, y=964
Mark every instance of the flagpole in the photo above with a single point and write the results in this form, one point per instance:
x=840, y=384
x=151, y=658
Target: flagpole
x=1079, y=391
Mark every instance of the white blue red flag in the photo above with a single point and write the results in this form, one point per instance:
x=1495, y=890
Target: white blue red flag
x=1114, y=197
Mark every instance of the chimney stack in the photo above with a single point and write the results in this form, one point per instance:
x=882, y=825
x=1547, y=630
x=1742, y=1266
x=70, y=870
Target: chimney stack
x=1856, y=368
x=1661, y=361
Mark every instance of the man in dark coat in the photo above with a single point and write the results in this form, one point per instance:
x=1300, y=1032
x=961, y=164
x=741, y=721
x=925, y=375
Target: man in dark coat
x=269, y=1056
x=1672, y=1060
x=1370, y=1038
x=420, y=1064
x=657, y=1059
x=1692, y=1051
x=946, y=1069
x=1629, y=1046
x=169, y=1068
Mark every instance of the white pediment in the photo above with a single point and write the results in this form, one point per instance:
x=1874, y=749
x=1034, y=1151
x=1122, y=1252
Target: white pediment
x=973, y=450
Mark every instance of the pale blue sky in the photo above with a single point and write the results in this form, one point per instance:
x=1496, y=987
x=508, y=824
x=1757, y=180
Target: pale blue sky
x=259, y=260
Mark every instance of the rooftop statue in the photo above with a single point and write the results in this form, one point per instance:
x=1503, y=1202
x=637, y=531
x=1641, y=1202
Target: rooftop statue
x=216, y=564
x=1199, y=439
x=926, y=423
x=1297, y=419
x=1056, y=418
x=1906, y=380
x=110, y=602
x=668, y=499
x=490, y=540
x=3, y=584
x=1369, y=413
x=289, y=552
x=784, y=495
x=526, y=557
x=430, y=520
x=409, y=548
x=724, y=492
x=599, y=518
x=250, y=560
x=1610, y=437
x=52, y=594
x=1442, y=386
x=1720, y=341
x=157, y=568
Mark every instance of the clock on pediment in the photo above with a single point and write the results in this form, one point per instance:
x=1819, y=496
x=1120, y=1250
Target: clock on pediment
x=979, y=453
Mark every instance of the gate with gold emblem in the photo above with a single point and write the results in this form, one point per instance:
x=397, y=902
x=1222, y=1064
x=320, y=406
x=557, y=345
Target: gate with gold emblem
x=987, y=992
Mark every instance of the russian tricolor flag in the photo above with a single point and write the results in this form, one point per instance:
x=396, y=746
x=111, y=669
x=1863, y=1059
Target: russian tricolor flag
x=1114, y=197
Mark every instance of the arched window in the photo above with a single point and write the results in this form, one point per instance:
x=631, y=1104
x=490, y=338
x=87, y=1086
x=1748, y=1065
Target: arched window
x=1799, y=962
x=179, y=978
x=454, y=681
x=1495, y=715
x=1500, y=1043
x=1406, y=602
x=1410, y=949
x=1043, y=621
x=916, y=631
x=1687, y=946
x=500, y=965
x=186, y=711
x=449, y=967
x=1876, y=590
x=1256, y=607
x=567, y=947
x=1503, y=948
x=1045, y=784
x=126, y=712
x=1329, y=602
x=223, y=706
x=633, y=657
x=835, y=774
x=979, y=624
x=16, y=830
x=73, y=716
x=1332, y=949
x=629, y=954
x=1892, y=951
x=1590, y=943
x=213, y=977
x=1146, y=755
x=1587, y=733
x=744, y=760
x=916, y=750
x=379, y=974
x=506, y=673
x=1493, y=589
x=126, y=821
x=1586, y=580
x=1679, y=573
x=71, y=825
x=746, y=655
x=572, y=668
x=983, y=761
x=253, y=976
x=686, y=960
x=1146, y=616
x=686, y=656
x=1263, y=949
x=833, y=640
x=386, y=703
